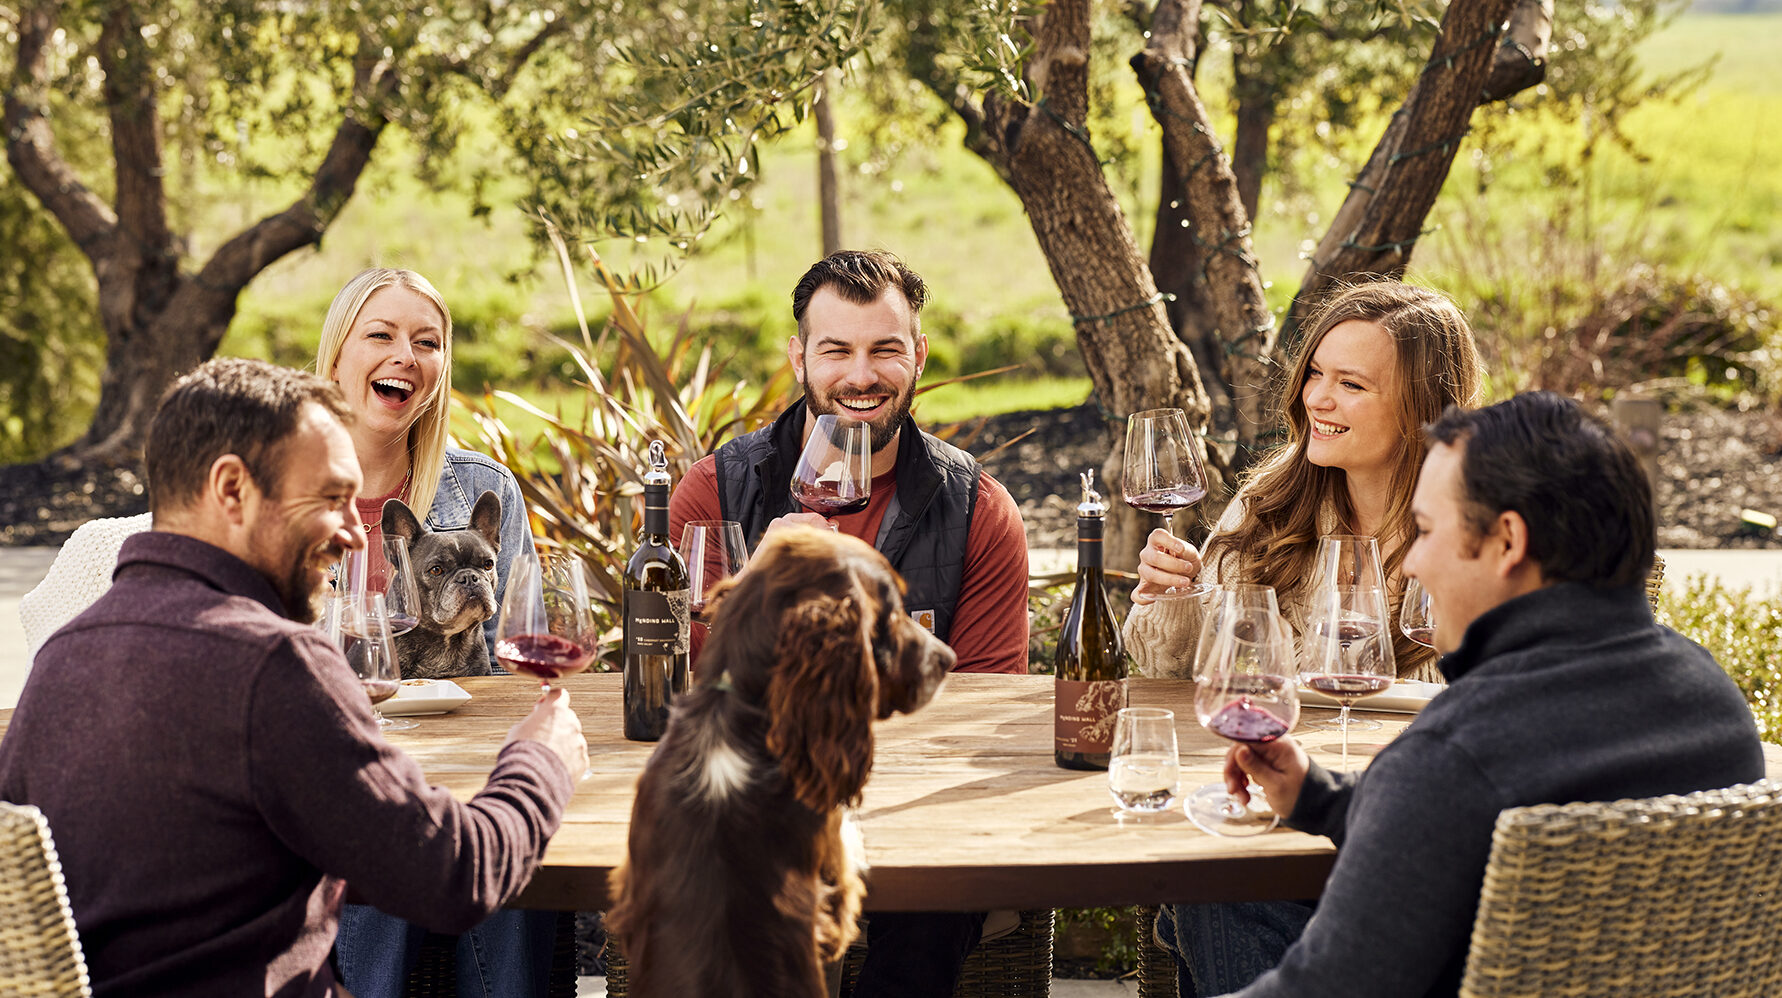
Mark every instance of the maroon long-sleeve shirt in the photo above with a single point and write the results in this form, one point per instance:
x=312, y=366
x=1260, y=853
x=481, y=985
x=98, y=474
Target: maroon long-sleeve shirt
x=213, y=777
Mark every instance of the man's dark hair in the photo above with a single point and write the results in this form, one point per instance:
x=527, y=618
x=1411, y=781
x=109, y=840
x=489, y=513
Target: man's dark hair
x=229, y=406
x=1578, y=486
x=860, y=276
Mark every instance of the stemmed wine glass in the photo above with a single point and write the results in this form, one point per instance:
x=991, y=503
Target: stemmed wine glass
x=385, y=569
x=1143, y=769
x=1246, y=694
x=1252, y=602
x=1348, y=645
x=1163, y=475
x=1415, y=615
x=361, y=627
x=547, y=628
x=834, y=473
x=713, y=551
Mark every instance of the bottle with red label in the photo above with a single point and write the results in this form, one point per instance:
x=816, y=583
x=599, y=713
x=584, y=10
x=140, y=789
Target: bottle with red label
x=1089, y=664
x=656, y=614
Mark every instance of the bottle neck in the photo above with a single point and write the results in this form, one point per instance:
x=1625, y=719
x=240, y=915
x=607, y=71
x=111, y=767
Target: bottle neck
x=1088, y=544
x=656, y=511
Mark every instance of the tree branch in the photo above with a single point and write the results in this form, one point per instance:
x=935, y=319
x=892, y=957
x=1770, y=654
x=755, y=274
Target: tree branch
x=1381, y=220
x=130, y=102
x=31, y=144
x=1521, y=61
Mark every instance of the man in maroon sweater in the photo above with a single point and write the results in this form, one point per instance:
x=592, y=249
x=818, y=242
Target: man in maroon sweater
x=208, y=762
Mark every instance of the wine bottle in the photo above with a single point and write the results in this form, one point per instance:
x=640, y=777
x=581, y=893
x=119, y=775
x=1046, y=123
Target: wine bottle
x=656, y=614
x=1089, y=664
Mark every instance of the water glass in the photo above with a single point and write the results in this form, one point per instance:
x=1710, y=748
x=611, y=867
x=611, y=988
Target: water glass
x=1143, y=769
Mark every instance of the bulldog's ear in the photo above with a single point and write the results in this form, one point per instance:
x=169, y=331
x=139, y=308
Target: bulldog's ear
x=400, y=521
x=485, y=518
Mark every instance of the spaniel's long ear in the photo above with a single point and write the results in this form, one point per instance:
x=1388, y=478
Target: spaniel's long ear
x=821, y=699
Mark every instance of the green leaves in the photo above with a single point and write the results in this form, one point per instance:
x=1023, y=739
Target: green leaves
x=1744, y=633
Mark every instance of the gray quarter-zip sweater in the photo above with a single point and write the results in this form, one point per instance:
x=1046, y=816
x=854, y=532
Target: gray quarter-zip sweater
x=1565, y=694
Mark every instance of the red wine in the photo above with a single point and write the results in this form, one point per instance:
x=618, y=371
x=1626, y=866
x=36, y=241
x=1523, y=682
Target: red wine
x=402, y=623
x=542, y=656
x=379, y=690
x=1342, y=687
x=823, y=499
x=1424, y=636
x=1349, y=630
x=697, y=609
x=1240, y=721
x=1165, y=501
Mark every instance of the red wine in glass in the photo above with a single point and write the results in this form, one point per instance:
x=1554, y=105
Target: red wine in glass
x=1165, y=501
x=379, y=690
x=1347, y=632
x=1241, y=721
x=1423, y=635
x=544, y=657
x=1349, y=688
x=402, y=623
x=825, y=498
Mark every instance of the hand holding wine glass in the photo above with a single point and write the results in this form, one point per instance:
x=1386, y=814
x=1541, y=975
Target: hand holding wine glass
x=1163, y=475
x=1246, y=694
x=834, y=473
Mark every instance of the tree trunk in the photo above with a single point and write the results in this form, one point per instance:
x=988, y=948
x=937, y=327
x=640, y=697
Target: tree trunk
x=158, y=322
x=828, y=192
x=1133, y=357
x=1218, y=224
x=1382, y=218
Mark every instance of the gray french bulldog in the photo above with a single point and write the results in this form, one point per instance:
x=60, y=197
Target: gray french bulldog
x=455, y=573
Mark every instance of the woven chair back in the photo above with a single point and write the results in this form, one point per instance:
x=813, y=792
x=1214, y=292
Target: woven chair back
x=1674, y=896
x=39, y=951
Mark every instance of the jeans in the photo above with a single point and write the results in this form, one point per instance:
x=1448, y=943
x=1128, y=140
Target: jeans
x=507, y=954
x=1222, y=947
x=916, y=954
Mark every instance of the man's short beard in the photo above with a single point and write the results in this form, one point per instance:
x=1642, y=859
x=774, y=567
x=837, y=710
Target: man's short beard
x=881, y=435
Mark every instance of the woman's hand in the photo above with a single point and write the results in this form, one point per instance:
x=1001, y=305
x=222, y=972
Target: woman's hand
x=1166, y=561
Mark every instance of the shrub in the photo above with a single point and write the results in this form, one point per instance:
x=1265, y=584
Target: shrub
x=1744, y=633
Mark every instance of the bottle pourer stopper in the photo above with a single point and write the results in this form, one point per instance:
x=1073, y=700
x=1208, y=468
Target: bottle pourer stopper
x=1091, y=504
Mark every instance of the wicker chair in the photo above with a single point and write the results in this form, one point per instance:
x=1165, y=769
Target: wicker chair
x=1017, y=965
x=436, y=968
x=39, y=949
x=1662, y=896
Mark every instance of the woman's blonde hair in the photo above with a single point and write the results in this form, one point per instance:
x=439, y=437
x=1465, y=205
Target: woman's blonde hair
x=1438, y=366
x=428, y=437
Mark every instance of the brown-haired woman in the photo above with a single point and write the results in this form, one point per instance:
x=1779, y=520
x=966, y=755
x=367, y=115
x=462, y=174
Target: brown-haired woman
x=1378, y=362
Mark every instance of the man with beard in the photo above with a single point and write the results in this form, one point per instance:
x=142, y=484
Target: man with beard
x=208, y=762
x=949, y=529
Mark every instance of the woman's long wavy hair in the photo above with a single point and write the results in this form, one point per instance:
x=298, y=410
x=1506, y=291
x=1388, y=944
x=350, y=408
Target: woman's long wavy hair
x=1437, y=366
x=428, y=437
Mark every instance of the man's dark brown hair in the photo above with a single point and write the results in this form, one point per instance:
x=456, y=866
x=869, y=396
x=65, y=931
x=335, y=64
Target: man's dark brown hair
x=231, y=405
x=860, y=276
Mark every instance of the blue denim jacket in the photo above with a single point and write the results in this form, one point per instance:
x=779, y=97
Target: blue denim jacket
x=467, y=475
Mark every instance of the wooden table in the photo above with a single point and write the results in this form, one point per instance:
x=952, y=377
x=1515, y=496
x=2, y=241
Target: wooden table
x=965, y=808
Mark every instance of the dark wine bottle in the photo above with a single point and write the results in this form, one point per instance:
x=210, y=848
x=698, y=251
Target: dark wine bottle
x=656, y=614
x=1089, y=664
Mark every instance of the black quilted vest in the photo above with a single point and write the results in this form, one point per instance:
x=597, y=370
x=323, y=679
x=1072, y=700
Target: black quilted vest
x=924, y=531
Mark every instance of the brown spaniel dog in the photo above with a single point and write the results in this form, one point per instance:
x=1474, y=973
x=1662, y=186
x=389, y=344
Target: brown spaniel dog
x=740, y=879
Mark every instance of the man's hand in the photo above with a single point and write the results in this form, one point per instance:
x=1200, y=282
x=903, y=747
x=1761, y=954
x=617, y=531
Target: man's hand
x=1279, y=767
x=799, y=519
x=1166, y=561
x=556, y=726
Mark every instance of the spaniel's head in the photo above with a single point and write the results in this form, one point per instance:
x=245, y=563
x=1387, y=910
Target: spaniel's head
x=815, y=631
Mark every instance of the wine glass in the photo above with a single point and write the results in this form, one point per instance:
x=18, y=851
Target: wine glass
x=1163, y=475
x=1143, y=770
x=1251, y=601
x=385, y=569
x=1247, y=695
x=834, y=473
x=713, y=551
x=360, y=625
x=1348, y=654
x=1415, y=615
x=547, y=628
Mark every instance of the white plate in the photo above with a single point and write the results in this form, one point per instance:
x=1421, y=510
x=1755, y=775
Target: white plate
x=1407, y=696
x=424, y=696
